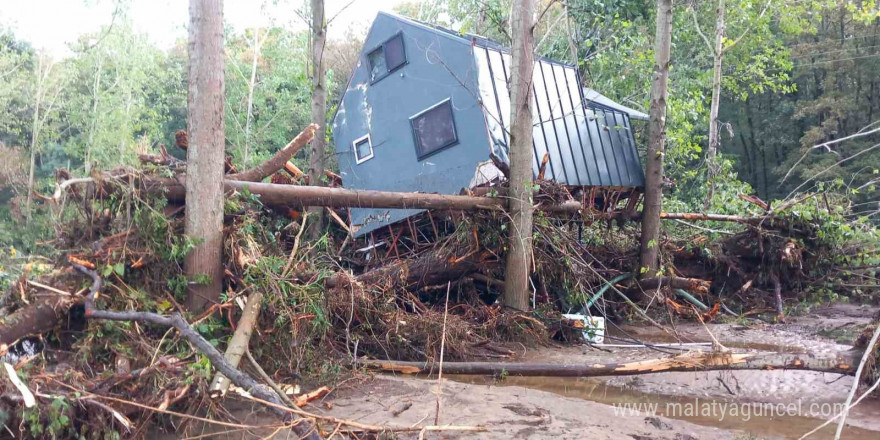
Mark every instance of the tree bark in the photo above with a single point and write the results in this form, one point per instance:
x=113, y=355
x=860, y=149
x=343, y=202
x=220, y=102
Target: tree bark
x=516, y=292
x=718, y=54
x=648, y=257
x=96, y=90
x=33, y=319
x=35, y=135
x=427, y=270
x=841, y=363
x=205, y=154
x=252, y=84
x=713, y=167
x=319, y=114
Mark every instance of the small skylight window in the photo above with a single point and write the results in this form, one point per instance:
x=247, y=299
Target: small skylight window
x=363, y=149
x=387, y=58
x=434, y=129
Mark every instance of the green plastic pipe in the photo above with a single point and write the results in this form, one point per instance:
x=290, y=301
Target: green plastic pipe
x=604, y=288
x=692, y=300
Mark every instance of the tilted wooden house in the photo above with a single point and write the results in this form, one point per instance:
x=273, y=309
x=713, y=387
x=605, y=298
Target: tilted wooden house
x=426, y=106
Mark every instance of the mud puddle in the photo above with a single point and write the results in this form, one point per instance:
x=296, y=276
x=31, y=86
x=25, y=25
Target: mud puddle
x=778, y=420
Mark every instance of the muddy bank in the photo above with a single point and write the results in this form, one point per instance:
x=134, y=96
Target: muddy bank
x=508, y=412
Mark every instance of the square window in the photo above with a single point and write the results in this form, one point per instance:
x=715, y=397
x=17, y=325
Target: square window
x=378, y=68
x=363, y=149
x=387, y=58
x=434, y=129
x=395, y=56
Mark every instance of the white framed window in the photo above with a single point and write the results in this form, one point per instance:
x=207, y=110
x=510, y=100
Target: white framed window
x=363, y=149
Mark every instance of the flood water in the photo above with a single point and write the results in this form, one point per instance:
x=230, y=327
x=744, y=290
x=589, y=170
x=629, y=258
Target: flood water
x=758, y=422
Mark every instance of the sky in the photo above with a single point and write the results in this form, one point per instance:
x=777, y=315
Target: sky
x=52, y=24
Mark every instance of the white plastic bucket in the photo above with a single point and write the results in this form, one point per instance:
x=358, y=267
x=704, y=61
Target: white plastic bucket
x=594, y=327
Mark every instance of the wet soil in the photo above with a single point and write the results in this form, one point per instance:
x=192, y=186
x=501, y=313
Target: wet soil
x=565, y=408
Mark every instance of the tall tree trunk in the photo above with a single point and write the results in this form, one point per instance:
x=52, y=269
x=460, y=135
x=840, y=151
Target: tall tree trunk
x=518, y=264
x=204, y=157
x=319, y=113
x=96, y=90
x=656, y=144
x=35, y=136
x=252, y=84
x=714, y=132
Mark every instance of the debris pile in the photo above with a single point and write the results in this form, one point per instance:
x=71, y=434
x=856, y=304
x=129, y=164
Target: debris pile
x=320, y=306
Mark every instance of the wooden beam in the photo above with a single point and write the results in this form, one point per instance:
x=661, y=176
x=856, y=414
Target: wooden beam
x=842, y=363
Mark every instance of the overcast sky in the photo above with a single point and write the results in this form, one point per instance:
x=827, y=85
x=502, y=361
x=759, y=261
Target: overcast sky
x=51, y=24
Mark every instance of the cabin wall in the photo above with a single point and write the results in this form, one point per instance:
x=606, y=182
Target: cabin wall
x=439, y=66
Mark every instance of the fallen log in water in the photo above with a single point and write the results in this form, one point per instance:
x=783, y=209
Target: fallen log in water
x=841, y=363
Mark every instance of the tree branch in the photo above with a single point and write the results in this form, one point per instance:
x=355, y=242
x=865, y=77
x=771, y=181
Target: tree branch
x=700, y=31
x=304, y=430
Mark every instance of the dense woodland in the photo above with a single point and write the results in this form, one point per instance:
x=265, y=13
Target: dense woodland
x=770, y=171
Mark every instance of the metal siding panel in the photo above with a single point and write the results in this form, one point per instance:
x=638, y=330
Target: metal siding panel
x=608, y=144
x=547, y=120
x=594, y=154
x=621, y=147
x=569, y=124
x=607, y=165
x=638, y=172
x=490, y=105
x=505, y=101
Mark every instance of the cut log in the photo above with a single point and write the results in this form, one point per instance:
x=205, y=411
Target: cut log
x=302, y=196
x=33, y=319
x=842, y=363
x=427, y=270
x=238, y=345
x=277, y=161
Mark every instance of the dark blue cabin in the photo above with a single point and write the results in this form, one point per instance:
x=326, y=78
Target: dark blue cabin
x=426, y=106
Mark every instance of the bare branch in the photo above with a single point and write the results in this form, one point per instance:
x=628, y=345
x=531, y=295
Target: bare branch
x=827, y=148
x=700, y=31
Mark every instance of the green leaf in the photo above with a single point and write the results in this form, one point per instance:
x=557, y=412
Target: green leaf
x=119, y=268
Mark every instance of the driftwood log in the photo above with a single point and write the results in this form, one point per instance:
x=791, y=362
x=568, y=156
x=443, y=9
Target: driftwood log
x=841, y=363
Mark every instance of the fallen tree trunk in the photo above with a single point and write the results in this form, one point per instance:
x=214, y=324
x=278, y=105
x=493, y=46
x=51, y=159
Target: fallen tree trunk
x=300, y=196
x=842, y=363
x=33, y=319
x=427, y=270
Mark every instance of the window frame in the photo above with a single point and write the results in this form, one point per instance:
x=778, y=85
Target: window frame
x=421, y=156
x=354, y=145
x=388, y=70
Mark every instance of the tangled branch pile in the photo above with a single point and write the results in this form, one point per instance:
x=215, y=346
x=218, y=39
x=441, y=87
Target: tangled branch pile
x=326, y=303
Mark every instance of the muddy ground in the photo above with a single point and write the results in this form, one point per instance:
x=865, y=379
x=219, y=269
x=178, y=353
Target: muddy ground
x=557, y=408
